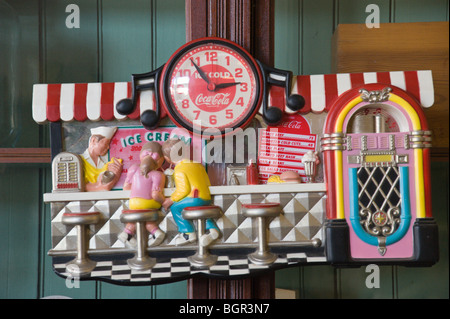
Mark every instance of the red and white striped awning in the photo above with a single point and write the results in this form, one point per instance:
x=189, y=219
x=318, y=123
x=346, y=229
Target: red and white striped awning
x=322, y=90
x=96, y=101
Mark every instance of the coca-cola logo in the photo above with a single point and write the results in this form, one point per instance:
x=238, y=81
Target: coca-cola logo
x=292, y=124
x=211, y=100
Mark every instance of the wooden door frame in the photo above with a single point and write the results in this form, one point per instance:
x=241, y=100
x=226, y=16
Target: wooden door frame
x=249, y=23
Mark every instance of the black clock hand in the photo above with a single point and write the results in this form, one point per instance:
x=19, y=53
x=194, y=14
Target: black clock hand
x=225, y=85
x=200, y=71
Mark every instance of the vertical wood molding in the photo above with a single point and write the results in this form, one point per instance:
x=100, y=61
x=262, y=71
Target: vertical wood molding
x=249, y=23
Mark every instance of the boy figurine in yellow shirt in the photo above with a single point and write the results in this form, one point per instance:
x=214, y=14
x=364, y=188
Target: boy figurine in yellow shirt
x=191, y=189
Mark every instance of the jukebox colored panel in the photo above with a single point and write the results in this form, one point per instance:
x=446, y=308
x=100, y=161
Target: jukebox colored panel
x=380, y=212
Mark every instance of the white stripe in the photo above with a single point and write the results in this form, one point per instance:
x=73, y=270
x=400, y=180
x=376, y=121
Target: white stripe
x=370, y=77
x=426, y=88
x=120, y=92
x=93, y=99
x=146, y=100
x=398, y=79
x=317, y=92
x=40, y=92
x=66, y=101
x=343, y=82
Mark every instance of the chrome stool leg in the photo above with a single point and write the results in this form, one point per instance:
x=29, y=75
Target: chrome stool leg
x=202, y=258
x=82, y=265
x=141, y=260
x=262, y=256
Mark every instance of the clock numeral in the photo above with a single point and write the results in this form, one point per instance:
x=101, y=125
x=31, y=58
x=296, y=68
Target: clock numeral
x=227, y=58
x=197, y=114
x=244, y=87
x=213, y=119
x=238, y=73
x=229, y=114
x=185, y=72
x=185, y=104
x=211, y=56
x=240, y=101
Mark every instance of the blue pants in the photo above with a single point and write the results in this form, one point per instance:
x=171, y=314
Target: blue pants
x=186, y=226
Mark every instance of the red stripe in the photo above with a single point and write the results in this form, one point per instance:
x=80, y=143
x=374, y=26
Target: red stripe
x=304, y=89
x=277, y=97
x=79, y=107
x=136, y=113
x=331, y=90
x=412, y=84
x=107, y=101
x=357, y=79
x=53, y=100
x=331, y=185
x=383, y=77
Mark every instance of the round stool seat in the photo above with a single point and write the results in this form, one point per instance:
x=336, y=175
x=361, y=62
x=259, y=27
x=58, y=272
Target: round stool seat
x=261, y=210
x=139, y=215
x=201, y=212
x=81, y=265
x=87, y=218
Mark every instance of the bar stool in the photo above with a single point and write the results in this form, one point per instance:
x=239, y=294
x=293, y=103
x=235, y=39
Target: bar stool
x=262, y=211
x=202, y=258
x=81, y=265
x=141, y=260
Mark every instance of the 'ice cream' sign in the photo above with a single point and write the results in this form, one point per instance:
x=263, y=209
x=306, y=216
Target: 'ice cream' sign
x=127, y=144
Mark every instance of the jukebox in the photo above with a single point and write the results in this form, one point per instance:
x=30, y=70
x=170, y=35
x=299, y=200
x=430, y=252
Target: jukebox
x=340, y=174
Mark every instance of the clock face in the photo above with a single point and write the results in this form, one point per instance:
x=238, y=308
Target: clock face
x=211, y=83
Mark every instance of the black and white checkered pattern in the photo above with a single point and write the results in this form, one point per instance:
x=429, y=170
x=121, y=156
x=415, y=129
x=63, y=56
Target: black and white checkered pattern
x=179, y=268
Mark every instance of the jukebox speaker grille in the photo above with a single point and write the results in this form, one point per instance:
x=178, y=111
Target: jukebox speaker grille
x=379, y=199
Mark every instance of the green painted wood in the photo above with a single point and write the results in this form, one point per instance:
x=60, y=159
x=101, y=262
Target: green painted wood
x=126, y=39
x=170, y=30
x=351, y=11
x=420, y=11
x=432, y=282
x=19, y=220
x=70, y=54
x=287, y=36
x=317, y=29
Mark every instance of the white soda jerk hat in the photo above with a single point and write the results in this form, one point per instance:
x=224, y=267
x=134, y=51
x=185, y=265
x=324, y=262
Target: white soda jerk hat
x=105, y=131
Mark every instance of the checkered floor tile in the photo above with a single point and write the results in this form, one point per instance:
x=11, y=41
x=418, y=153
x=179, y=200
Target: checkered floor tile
x=179, y=268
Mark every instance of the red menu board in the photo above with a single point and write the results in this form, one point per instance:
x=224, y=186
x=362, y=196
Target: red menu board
x=281, y=148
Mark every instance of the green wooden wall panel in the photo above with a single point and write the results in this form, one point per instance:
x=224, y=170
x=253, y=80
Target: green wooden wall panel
x=351, y=11
x=288, y=36
x=420, y=11
x=19, y=219
x=170, y=30
x=70, y=54
x=317, y=29
x=126, y=39
x=432, y=282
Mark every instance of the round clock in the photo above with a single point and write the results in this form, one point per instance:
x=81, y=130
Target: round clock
x=211, y=83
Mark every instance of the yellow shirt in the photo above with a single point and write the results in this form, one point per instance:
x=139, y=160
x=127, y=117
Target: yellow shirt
x=191, y=180
x=91, y=173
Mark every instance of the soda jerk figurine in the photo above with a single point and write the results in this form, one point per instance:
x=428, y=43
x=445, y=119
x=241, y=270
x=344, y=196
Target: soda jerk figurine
x=100, y=174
